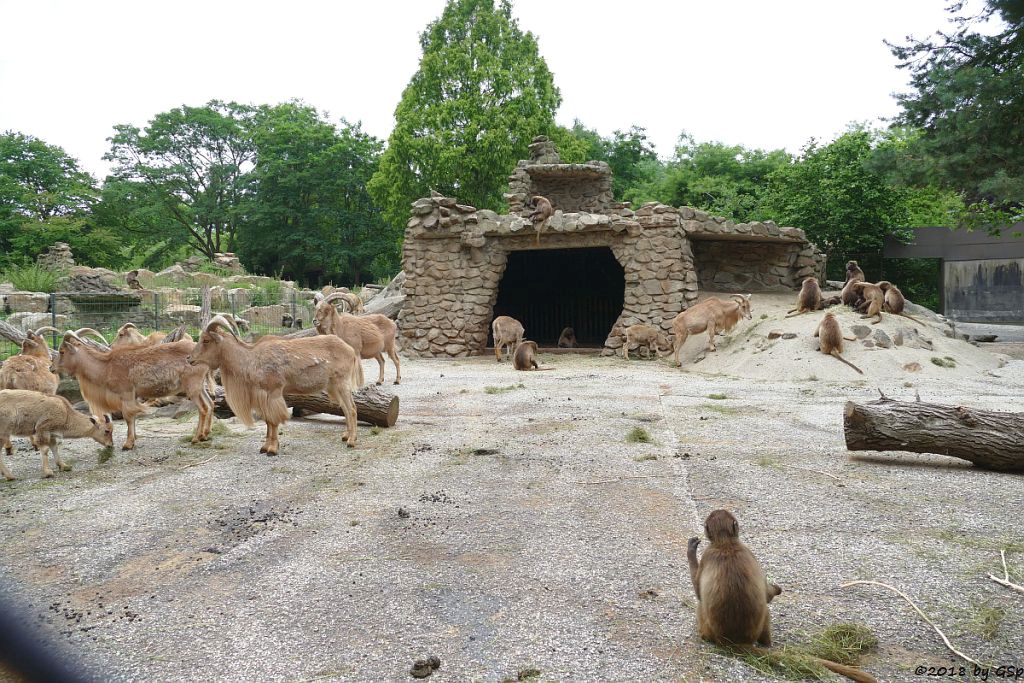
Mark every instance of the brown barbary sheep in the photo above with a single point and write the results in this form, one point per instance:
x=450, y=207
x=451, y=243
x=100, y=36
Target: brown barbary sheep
x=257, y=376
x=371, y=336
x=29, y=370
x=507, y=332
x=44, y=419
x=116, y=380
x=712, y=315
x=648, y=337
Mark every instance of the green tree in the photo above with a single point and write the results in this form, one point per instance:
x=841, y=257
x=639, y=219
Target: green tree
x=967, y=101
x=481, y=93
x=310, y=216
x=44, y=198
x=725, y=180
x=845, y=207
x=191, y=166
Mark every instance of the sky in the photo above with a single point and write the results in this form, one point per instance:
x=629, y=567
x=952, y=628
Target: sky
x=761, y=74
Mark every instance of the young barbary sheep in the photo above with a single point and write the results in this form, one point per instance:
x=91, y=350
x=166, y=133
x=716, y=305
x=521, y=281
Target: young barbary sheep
x=371, y=336
x=257, y=376
x=29, y=370
x=115, y=380
x=712, y=315
x=646, y=336
x=44, y=419
x=507, y=332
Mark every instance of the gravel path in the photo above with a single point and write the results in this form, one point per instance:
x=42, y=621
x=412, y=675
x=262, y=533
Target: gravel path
x=513, y=530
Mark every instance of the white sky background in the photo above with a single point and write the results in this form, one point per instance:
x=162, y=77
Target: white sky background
x=751, y=72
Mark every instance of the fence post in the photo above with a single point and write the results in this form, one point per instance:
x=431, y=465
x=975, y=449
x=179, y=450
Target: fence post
x=53, y=317
x=294, y=311
x=156, y=310
x=231, y=300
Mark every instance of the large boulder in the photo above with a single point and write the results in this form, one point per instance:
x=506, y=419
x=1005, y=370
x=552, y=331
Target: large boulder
x=26, y=302
x=390, y=300
x=33, y=321
x=265, y=316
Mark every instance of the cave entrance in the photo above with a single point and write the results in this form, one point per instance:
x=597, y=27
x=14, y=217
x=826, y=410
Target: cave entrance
x=550, y=289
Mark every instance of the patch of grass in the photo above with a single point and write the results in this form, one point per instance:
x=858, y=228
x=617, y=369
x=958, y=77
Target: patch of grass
x=986, y=620
x=638, y=435
x=104, y=454
x=375, y=430
x=764, y=316
x=646, y=457
x=946, y=362
x=32, y=278
x=782, y=662
x=645, y=417
x=502, y=390
x=718, y=397
x=767, y=462
x=266, y=293
x=719, y=408
x=843, y=643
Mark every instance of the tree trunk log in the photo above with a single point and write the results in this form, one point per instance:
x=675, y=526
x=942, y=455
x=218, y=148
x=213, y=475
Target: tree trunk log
x=374, y=406
x=987, y=438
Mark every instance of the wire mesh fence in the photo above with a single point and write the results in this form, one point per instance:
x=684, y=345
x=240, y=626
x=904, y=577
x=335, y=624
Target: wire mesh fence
x=258, y=312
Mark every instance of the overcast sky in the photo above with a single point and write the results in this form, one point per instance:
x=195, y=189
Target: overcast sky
x=761, y=74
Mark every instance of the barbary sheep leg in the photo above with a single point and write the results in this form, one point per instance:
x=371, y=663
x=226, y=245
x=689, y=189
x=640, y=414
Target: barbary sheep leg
x=3, y=466
x=42, y=442
x=343, y=397
x=711, y=335
x=393, y=355
x=380, y=362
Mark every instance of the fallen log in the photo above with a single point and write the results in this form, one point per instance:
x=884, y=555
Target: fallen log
x=989, y=439
x=375, y=407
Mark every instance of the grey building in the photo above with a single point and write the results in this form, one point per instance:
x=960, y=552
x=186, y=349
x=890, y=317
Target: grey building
x=982, y=276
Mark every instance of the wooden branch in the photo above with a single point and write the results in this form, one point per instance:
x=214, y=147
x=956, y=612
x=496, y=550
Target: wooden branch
x=987, y=438
x=1005, y=581
x=374, y=406
x=918, y=610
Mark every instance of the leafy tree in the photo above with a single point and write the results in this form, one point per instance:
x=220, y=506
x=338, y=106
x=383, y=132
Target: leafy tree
x=967, y=101
x=311, y=217
x=726, y=180
x=481, y=93
x=45, y=198
x=188, y=170
x=844, y=206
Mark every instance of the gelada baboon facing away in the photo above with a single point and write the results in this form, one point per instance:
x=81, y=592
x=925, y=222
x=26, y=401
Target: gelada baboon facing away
x=542, y=211
x=567, y=340
x=733, y=593
x=809, y=298
x=873, y=300
x=525, y=357
x=830, y=339
x=893, y=301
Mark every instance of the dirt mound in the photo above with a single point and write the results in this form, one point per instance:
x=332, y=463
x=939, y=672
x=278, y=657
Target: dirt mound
x=765, y=348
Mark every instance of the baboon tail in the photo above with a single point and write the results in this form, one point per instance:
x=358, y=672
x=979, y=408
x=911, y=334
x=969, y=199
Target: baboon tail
x=838, y=357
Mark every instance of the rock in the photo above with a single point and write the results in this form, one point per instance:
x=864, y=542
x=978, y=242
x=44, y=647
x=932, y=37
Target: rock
x=861, y=331
x=789, y=335
x=265, y=316
x=182, y=313
x=175, y=274
x=58, y=257
x=26, y=302
x=868, y=344
x=882, y=340
x=912, y=367
x=176, y=409
x=33, y=321
x=775, y=334
x=422, y=668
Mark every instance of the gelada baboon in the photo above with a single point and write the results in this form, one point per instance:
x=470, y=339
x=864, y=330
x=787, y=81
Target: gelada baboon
x=542, y=211
x=893, y=301
x=830, y=339
x=567, y=340
x=874, y=299
x=850, y=296
x=132, y=278
x=525, y=357
x=809, y=298
x=733, y=593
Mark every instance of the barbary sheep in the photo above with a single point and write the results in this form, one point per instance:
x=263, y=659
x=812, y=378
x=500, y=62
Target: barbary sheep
x=712, y=315
x=648, y=337
x=116, y=380
x=507, y=332
x=257, y=376
x=29, y=370
x=45, y=419
x=371, y=336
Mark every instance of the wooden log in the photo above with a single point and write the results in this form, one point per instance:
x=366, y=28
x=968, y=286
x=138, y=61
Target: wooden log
x=374, y=406
x=989, y=439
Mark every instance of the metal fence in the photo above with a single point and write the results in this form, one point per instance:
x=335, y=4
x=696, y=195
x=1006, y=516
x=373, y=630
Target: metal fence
x=259, y=311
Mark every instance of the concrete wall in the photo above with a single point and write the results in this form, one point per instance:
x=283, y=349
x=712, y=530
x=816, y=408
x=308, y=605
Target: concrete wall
x=989, y=290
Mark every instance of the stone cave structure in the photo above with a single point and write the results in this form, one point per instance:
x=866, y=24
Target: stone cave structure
x=600, y=267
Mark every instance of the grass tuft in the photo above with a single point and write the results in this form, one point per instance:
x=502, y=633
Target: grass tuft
x=32, y=278
x=718, y=397
x=638, y=435
x=843, y=643
x=502, y=390
x=946, y=362
x=104, y=454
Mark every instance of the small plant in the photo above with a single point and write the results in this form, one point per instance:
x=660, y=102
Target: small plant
x=638, y=435
x=104, y=454
x=718, y=397
x=32, y=278
x=767, y=462
x=764, y=316
x=843, y=643
x=946, y=362
x=986, y=620
x=645, y=457
x=375, y=430
x=502, y=390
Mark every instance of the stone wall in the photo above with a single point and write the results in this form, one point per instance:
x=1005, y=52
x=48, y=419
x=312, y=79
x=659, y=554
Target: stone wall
x=454, y=257
x=734, y=266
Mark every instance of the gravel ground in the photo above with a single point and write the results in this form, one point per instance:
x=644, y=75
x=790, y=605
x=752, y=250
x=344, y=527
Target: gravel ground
x=514, y=530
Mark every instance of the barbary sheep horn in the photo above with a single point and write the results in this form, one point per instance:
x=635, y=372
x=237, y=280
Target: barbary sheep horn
x=221, y=321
